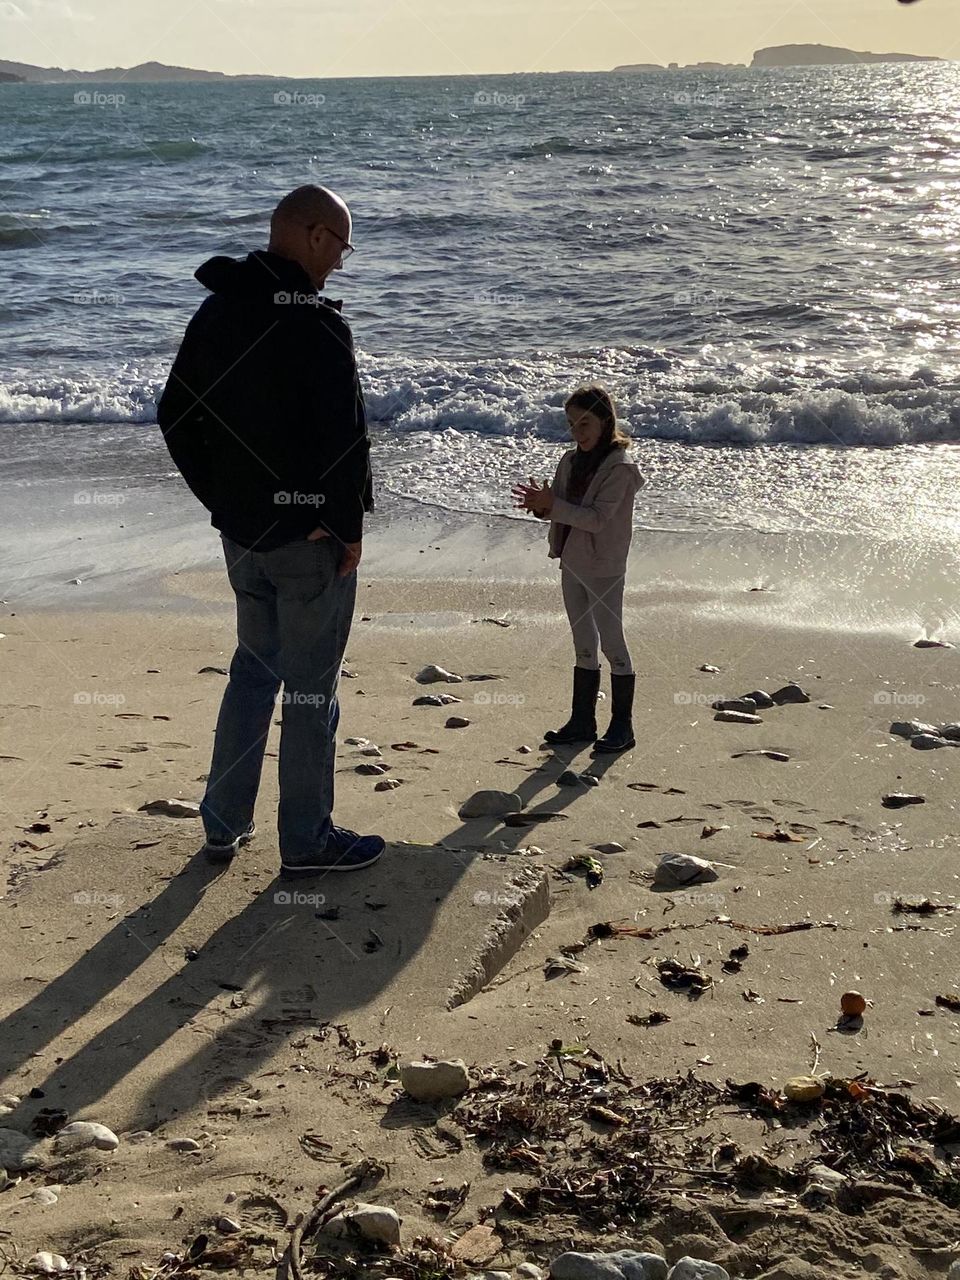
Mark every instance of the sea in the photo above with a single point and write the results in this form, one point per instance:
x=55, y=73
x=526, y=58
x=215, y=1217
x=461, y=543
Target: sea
x=762, y=265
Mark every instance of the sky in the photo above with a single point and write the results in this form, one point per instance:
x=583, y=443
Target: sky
x=324, y=38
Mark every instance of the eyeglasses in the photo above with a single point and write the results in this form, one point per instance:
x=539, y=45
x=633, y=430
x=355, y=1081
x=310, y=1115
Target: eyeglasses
x=348, y=248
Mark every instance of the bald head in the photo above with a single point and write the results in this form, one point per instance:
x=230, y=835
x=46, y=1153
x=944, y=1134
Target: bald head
x=311, y=226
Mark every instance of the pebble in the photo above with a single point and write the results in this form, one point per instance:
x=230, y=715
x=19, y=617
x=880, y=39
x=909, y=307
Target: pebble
x=623, y=1265
x=697, y=1269
x=213, y=671
x=371, y=751
x=388, y=784
x=357, y=742
x=45, y=1195
x=376, y=1223
x=9, y=1100
x=710, y=669
x=457, y=722
x=435, y=700
x=17, y=1152
x=737, y=717
x=80, y=1135
x=529, y=1271
x=899, y=799
x=524, y=750
x=49, y=1264
x=490, y=804
x=927, y=742
x=433, y=1081
x=570, y=779
x=736, y=704
x=932, y=644
x=228, y=1226
x=171, y=808
x=433, y=674
x=371, y=770
x=610, y=847
x=761, y=698
x=910, y=728
x=789, y=693
x=677, y=869
x=183, y=1144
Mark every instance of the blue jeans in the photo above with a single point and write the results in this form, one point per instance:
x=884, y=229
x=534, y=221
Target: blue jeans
x=293, y=620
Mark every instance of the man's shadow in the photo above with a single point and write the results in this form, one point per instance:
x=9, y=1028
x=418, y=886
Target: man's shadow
x=297, y=967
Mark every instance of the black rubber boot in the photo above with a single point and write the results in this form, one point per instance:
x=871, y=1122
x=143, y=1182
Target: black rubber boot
x=619, y=737
x=582, y=725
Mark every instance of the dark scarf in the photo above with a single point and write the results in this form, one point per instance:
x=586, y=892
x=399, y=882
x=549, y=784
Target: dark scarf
x=585, y=465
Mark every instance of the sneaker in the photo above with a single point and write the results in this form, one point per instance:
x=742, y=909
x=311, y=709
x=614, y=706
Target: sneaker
x=223, y=851
x=345, y=851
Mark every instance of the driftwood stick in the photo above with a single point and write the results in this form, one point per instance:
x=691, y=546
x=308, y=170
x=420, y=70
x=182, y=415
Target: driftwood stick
x=290, y=1266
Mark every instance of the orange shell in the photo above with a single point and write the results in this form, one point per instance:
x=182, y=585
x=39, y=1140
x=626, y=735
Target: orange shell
x=853, y=1004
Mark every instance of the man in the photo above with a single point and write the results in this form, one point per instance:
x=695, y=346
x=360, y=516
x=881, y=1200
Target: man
x=264, y=417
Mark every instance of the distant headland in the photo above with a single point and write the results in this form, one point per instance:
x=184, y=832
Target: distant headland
x=788, y=55
x=145, y=72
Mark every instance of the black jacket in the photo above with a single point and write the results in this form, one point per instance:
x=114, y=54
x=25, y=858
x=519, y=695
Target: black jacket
x=263, y=412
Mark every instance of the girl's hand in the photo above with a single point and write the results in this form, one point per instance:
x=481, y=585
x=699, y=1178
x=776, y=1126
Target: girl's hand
x=535, y=498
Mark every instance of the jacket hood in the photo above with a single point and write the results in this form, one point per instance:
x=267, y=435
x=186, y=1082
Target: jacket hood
x=616, y=458
x=261, y=274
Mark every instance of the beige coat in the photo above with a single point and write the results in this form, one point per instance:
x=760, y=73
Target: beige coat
x=601, y=524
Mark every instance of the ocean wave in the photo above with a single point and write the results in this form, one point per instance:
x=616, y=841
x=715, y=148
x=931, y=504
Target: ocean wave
x=522, y=400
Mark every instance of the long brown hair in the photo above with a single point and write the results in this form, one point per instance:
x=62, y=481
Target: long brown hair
x=598, y=401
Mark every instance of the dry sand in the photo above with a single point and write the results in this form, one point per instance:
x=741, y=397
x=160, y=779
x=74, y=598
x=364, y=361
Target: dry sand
x=145, y=990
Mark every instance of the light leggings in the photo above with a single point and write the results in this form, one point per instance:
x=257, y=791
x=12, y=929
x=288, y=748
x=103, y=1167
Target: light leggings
x=595, y=609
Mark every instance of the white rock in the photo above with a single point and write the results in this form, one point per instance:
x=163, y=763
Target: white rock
x=48, y=1264
x=371, y=751
x=357, y=742
x=490, y=804
x=18, y=1153
x=927, y=741
x=826, y=1176
x=82, y=1134
x=374, y=1222
x=910, y=728
x=697, y=1269
x=433, y=1081
x=529, y=1271
x=183, y=1144
x=9, y=1100
x=228, y=1226
x=46, y=1195
x=737, y=717
x=624, y=1265
x=171, y=808
x=675, y=869
x=951, y=732
x=437, y=675
x=610, y=847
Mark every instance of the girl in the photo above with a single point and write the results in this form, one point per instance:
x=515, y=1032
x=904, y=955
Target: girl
x=590, y=508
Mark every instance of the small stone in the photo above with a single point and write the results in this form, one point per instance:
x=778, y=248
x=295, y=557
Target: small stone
x=910, y=728
x=710, y=669
x=374, y=1222
x=746, y=705
x=183, y=1144
x=789, y=693
x=951, y=732
x=371, y=770
x=434, y=1081
x=80, y=1135
x=927, y=742
x=371, y=751
x=677, y=869
x=388, y=784
x=45, y=1195
x=760, y=698
x=524, y=750
x=433, y=674
x=804, y=1089
x=697, y=1269
x=932, y=644
x=490, y=804
x=826, y=1176
x=18, y=1153
x=213, y=671
x=570, y=779
x=228, y=1226
x=900, y=799
x=357, y=742
x=457, y=722
x=435, y=700
x=478, y=1246
x=623, y=1265
x=10, y=1100
x=610, y=847
x=48, y=1264
x=529, y=1271
x=230, y=1197
x=171, y=808
x=737, y=717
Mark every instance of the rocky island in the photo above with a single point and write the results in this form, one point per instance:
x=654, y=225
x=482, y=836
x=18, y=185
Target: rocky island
x=824, y=55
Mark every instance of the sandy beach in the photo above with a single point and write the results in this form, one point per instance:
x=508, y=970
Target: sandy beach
x=170, y=1000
